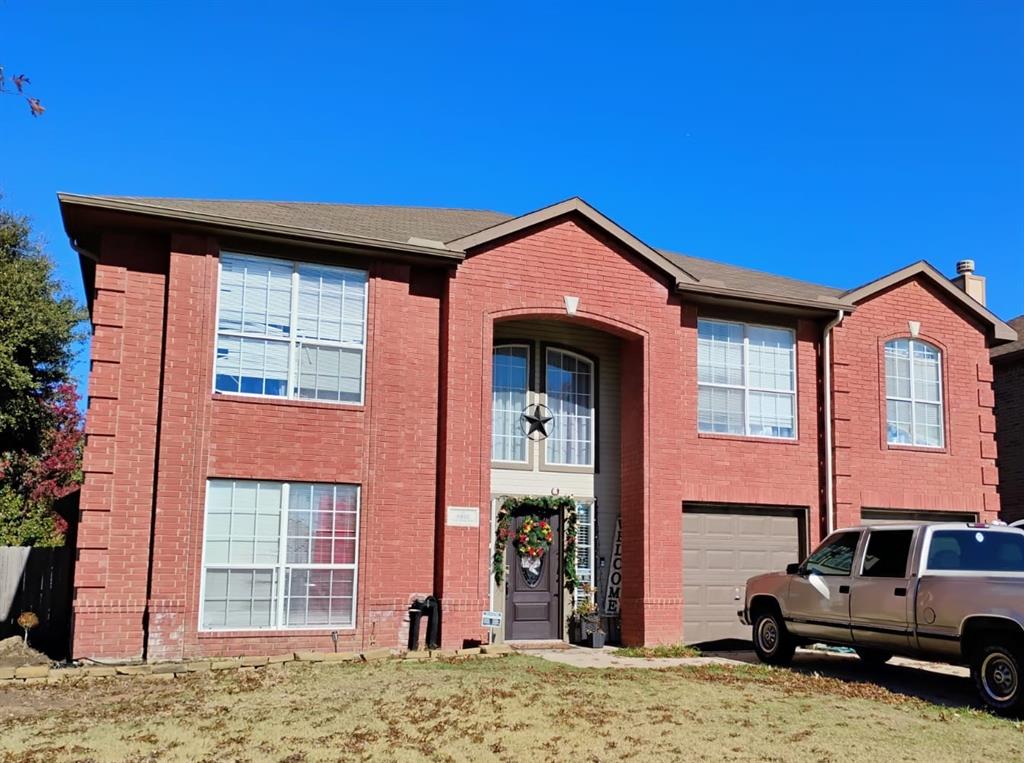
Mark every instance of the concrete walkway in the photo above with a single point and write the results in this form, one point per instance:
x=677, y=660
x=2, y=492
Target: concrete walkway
x=583, y=657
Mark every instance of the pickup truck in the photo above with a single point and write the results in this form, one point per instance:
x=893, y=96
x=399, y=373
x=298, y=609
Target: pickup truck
x=950, y=592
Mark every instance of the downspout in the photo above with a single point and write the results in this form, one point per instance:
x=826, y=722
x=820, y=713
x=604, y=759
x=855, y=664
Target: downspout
x=827, y=393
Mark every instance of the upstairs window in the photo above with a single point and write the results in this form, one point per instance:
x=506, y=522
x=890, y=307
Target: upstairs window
x=746, y=378
x=913, y=393
x=569, y=383
x=509, y=390
x=291, y=330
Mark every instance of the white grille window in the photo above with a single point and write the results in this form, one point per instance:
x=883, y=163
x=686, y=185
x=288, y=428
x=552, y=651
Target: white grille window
x=279, y=555
x=290, y=330
x=509, y=390
x=569, y=384
x=913, y=392
x=584, y=546
x=746, y=378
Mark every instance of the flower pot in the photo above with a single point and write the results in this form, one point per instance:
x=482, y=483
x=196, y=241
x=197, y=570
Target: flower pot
x=596, y=640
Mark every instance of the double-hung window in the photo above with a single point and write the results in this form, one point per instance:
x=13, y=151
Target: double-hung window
x=292, y=330
x=746, y=379
x=913, y=393
x=279, y=555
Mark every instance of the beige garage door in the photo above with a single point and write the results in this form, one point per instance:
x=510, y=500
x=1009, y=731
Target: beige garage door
x=897, y=517
x=722, y=548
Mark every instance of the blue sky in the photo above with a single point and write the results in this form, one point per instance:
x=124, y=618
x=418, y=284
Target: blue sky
x=828, y=143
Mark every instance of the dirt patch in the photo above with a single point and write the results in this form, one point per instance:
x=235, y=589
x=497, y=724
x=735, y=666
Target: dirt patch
x=14, y=654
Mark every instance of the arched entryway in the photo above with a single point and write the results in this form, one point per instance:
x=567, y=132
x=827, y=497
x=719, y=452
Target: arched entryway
x=557, y=429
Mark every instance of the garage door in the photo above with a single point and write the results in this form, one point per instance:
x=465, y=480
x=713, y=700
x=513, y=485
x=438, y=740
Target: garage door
x=722, y=548
x=897, y=517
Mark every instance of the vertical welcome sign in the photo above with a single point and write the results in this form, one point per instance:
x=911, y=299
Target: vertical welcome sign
x=613, y=591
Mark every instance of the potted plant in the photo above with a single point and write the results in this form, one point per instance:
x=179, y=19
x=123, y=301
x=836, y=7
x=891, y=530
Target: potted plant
x=585, y=622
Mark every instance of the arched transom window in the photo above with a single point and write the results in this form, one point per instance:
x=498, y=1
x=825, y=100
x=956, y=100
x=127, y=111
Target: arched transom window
x=913, y=393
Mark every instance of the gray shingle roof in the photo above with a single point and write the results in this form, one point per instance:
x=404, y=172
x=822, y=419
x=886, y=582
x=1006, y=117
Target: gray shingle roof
x=753, y=281
x=380, y=223
x=399, y=224
x=1017, y=324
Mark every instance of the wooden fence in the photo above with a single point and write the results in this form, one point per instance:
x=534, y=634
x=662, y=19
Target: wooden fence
x=41, y=580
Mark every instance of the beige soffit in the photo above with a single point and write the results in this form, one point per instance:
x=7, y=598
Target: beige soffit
x=1001, y=331
x=214, y=215
x=578, y=206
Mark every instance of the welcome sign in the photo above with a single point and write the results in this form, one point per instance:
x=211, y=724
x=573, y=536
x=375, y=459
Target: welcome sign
x=613, y=591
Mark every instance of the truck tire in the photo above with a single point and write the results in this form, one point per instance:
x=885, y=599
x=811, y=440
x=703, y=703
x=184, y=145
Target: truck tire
x=873, y=657
x=996, y=669
x=772, y=642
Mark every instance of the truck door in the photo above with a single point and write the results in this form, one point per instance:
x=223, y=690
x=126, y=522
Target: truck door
x=818, y=604
x=880, y=599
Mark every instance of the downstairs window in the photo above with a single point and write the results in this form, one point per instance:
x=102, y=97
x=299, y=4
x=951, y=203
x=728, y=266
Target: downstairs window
x=279, y=555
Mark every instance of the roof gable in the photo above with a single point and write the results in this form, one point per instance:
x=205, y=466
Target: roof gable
x=1000, y=330
x=575, y=206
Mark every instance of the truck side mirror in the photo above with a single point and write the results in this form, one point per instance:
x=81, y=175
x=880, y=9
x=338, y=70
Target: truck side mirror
x=793, y=569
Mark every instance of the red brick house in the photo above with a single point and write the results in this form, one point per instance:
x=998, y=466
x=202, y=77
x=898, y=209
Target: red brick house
x=302, y=417
x=1008, y=364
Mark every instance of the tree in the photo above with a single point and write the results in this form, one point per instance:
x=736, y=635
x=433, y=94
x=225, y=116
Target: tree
x=21, y=82
x=40, y=426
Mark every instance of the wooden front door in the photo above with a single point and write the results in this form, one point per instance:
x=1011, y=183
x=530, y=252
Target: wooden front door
x=533, y=594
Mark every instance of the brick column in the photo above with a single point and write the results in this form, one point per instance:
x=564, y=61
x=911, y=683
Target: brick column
x=117, y=495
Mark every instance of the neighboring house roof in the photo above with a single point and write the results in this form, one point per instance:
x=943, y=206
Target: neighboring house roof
x=1015, y=349
x=449, y=234
x=1000, y=330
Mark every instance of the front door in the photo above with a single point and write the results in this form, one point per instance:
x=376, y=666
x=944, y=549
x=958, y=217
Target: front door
x=533, y=588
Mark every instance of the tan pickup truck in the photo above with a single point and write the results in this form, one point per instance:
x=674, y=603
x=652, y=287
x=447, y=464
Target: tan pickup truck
x=944, y=592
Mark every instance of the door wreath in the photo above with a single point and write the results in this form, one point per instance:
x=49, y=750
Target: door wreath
x=535, y=535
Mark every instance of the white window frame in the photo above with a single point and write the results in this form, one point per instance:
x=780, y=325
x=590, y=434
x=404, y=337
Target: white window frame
x=280, y=569
x=746, y=386
x=586, y=574
x=940, y=403
x=294, y=343
x=529, y=377
x=593, y=409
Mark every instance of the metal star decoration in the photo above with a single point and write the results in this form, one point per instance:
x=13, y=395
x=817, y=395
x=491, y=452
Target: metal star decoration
x=534, y=421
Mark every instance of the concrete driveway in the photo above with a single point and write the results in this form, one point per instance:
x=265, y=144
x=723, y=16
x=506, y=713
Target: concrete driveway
x=948, y=685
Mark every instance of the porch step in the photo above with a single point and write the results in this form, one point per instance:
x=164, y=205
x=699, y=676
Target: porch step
x=530, y=645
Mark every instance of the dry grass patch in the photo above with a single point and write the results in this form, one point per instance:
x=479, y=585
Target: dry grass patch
x=516, y=708
x=652, y=652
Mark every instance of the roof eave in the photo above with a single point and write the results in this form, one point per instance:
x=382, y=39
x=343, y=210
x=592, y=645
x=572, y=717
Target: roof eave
x=220, y=223
x=823, y=304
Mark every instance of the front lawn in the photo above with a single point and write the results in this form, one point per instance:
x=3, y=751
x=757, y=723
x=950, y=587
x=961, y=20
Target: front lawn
x=514, y=708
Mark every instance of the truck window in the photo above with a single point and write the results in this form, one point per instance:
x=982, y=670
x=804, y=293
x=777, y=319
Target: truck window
x=973, y=550
x=835, y=556
x=887, y=554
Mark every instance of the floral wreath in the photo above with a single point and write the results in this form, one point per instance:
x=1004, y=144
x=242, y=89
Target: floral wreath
x=535, y=535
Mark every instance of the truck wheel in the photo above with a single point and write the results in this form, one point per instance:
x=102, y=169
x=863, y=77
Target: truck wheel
x=772, y=641
x=996, y=670
x=873, y=657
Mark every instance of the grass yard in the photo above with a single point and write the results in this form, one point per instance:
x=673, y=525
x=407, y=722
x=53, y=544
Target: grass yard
x=514, y=708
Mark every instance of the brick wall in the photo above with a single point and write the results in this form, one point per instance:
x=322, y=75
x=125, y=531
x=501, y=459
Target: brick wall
x=1009, y=395
x=870, y=474
x=387, y=446
x=421, y=440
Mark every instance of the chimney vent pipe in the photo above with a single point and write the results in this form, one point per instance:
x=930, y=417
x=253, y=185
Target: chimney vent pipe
x=964, y=266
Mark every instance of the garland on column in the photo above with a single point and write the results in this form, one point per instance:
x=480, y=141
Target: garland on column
x=535, y=534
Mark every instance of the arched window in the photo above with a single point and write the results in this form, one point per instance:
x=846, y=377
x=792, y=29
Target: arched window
x=509, y=390
x=569, y=383
x=913, y=393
